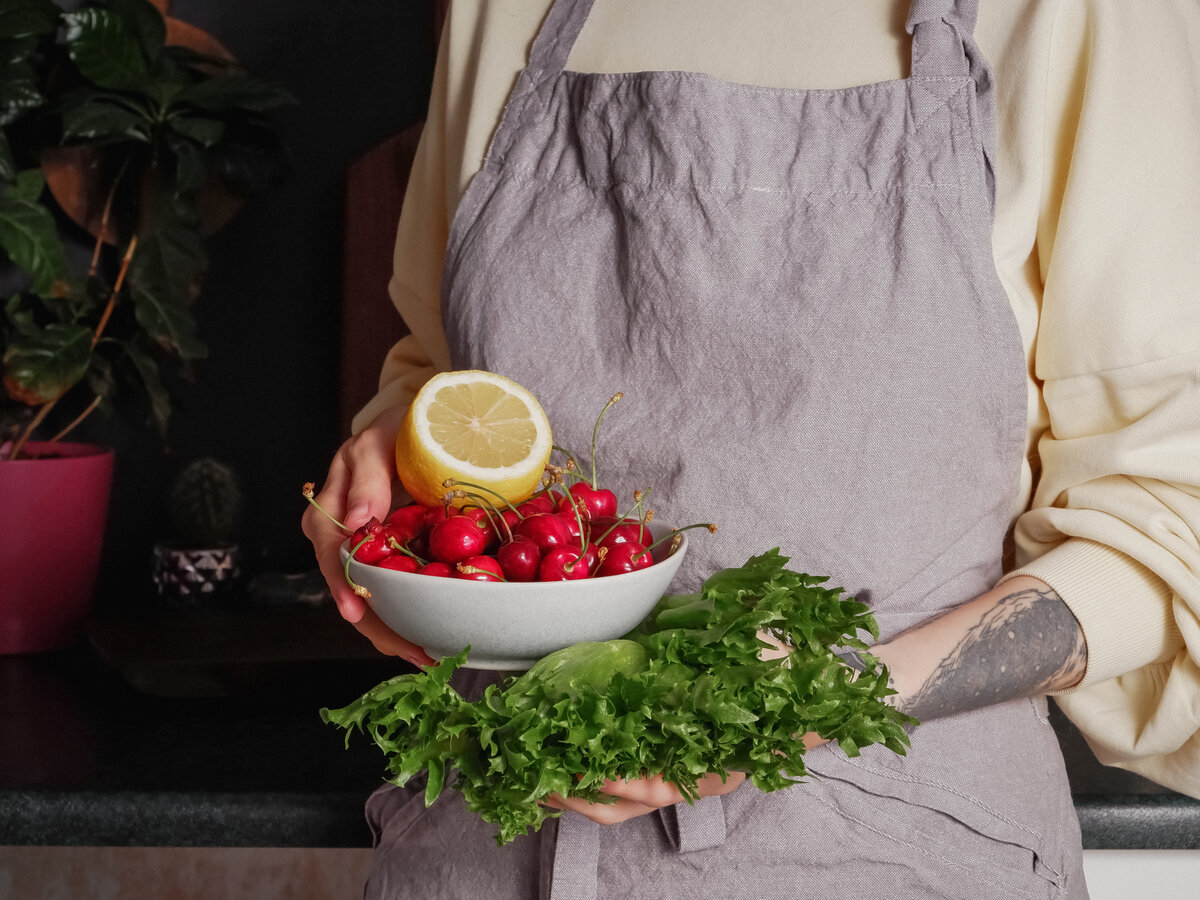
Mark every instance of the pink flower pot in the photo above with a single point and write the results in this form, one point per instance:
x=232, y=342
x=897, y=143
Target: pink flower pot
x=53, y=512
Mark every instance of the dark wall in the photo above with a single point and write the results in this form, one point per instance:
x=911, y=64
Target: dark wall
x=265, y=400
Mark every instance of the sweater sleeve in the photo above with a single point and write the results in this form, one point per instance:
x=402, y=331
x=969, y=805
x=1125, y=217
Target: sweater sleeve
x=484, y=46
x=1114, y=525
x=415, y=286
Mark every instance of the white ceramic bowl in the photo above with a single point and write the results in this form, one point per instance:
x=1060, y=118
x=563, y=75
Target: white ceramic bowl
x=510, y=625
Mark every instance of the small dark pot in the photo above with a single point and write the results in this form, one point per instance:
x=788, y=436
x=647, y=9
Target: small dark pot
x=196, y=577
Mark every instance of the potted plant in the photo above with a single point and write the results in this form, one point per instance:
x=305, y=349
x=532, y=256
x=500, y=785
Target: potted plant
x=200, y=566
x=126, y=137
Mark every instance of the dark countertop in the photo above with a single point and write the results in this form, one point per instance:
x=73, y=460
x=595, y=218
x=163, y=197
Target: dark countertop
x=203, y=730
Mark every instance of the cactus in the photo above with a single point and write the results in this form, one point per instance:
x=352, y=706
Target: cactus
x=205, y=503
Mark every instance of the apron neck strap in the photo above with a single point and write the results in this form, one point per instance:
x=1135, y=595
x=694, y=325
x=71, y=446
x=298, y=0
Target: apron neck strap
x=942, y=36
x=557, y=35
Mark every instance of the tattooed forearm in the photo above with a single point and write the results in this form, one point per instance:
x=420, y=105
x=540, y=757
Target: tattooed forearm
x=1026, y=643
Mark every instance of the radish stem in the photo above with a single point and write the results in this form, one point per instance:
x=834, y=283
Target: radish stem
x=596, y=430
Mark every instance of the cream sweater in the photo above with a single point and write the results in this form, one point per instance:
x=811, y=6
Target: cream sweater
x=1096, y=240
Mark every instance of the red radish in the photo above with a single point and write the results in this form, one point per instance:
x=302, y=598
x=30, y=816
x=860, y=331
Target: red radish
x=454, y=539
x=409, y=520
x=539, y=503
x=480, y=568
x=593, y=555
x=419, y=545
x=610, y=530
x=546, y=530
x=399, y=562
x=574, y=522
x=437, y=569
x=627, y=556
x=519, y=558
x=375, y=547
x=563, y=564
x=598, y=501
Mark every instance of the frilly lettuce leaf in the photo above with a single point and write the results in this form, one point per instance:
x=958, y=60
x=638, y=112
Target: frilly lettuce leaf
x=684, y=694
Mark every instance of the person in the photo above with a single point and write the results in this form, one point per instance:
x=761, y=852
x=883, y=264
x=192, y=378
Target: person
x=906, y=288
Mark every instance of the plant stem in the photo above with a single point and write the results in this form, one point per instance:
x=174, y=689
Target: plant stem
x=29, y=429
x=75, y=422
x=100, y=326
x=104, y=216
x=112, y=296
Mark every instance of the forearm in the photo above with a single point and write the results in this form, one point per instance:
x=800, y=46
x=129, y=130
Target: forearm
x=1017, y=640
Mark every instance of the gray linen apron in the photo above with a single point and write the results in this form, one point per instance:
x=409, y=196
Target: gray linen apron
x=796, y=292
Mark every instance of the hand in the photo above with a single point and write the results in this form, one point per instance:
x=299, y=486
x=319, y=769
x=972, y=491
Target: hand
x=645, y=795
x=359, y=486
x=641, y=796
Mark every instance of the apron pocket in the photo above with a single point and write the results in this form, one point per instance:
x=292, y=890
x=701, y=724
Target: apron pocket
x=995, y=775
x=953, y=858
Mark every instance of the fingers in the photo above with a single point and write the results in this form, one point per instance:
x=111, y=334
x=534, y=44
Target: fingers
x=370, y=467
x=601, y=813
x=358, y=487
x=777, y=649
x=327, y=538
x=388, y=642
x=639, y=796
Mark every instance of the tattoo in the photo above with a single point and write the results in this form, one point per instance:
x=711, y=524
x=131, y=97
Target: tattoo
x=1028, y=644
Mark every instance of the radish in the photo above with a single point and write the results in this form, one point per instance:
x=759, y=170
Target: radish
x=519, y=558
x=480, y=568
x=563, y=564
x=547, y=530
x=627, y=556
x=454, y=539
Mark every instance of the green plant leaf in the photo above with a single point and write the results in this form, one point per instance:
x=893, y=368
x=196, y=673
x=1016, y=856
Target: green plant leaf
x=18, y=91
x=20, y=316
x=101, y=121
x=29, y=237
x=14, y=50
x=105, y=46
x=202, y=130
x=191, y=167
x=162, y=93
x=28, y=185
x=236, y=91
x=42, y=367
x=250, y=158
x=142, y=355
x=8, y=165
x=100, y=379
x=147, y=22
x=168, y=322
x=22, y=18
x=163, y=274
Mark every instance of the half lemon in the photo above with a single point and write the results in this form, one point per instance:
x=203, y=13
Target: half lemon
x=477, y=427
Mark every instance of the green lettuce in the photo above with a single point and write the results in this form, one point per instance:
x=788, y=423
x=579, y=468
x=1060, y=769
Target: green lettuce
x=684, y=694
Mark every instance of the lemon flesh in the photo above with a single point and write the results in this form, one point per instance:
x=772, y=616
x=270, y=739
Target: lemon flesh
x=477, y=427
